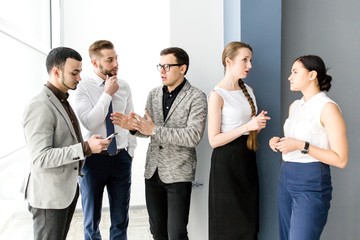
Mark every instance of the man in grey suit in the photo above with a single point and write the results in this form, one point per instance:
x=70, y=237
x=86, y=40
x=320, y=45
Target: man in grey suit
x=56, y=148
x=175, y=120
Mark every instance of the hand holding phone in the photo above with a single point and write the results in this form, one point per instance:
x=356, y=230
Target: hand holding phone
x=111, y=136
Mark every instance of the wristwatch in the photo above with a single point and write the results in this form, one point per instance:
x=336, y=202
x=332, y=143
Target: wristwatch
x=306, y=148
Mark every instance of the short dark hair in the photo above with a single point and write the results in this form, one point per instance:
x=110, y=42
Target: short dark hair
x=57, y=57
x=181, y=56
x=315, y=63
x=99, y=45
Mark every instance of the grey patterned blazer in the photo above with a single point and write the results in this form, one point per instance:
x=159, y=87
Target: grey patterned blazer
x=172, y=148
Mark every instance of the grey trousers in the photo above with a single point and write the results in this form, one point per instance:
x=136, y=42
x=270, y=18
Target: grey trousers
x=53, y=224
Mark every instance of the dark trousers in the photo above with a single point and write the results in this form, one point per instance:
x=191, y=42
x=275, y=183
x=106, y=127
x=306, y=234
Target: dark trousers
x=304, y=195
x=53, y=224
x=114, y=173
x=233, y=192
x=168, y=206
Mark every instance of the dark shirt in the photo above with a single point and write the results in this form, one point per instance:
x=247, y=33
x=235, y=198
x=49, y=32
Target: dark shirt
x=63, y=99
x=168, y=100
x=169, y=97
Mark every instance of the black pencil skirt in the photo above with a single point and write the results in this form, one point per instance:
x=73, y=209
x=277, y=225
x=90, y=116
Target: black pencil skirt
x=233, y=192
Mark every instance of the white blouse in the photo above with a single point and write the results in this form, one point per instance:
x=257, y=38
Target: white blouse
x=236, y=109
x=304, y=124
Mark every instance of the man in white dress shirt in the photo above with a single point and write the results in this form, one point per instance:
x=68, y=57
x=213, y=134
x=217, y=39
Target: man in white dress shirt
x=97, y=92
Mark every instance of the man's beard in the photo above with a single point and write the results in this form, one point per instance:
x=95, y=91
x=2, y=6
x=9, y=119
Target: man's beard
x=106, y=72
x=63, y=83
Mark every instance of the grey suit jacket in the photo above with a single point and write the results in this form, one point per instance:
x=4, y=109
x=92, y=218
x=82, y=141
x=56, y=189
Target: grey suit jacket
x=54, y=152
x=172, y=148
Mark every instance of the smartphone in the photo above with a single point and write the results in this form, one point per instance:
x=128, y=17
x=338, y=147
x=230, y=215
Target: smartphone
x=111, y=136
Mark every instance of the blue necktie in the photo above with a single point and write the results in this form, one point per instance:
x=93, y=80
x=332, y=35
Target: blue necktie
x=112, y=148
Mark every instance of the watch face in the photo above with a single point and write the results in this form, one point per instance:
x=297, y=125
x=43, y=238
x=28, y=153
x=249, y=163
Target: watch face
x=305, y=151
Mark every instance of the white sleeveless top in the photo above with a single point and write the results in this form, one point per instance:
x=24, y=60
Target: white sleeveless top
x=236, y=109
x=304, y=124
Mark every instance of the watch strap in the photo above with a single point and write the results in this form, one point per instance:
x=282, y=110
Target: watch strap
x=306, y=148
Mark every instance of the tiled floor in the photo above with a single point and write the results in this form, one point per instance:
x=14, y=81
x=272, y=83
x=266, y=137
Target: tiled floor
x=19, y=227
x=16, y=221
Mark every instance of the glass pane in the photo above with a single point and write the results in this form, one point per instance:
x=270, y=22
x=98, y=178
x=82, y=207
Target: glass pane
x=30, y=19
x=23, y=74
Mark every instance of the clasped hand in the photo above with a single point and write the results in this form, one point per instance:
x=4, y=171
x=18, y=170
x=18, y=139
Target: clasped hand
x=284, y=144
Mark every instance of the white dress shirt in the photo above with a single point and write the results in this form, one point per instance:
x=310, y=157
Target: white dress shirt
x=91, y=105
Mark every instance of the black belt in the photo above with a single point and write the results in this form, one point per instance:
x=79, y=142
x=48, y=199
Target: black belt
x=106, y=153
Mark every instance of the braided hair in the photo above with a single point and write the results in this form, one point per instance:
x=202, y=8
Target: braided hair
x=230, y=51
x=251, y=143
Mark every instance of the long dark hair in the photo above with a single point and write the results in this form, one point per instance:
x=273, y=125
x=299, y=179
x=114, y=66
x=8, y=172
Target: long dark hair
x=315, y=63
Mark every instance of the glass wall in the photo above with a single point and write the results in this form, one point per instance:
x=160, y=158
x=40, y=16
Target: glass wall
x=25, y=39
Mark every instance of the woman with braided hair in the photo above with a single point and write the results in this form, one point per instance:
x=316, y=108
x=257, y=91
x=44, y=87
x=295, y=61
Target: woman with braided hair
x=232, y=129
x=315, y=139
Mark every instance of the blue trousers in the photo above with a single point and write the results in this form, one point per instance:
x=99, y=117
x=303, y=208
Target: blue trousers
x=168, y=206
x=304, y=195
x=114, y=173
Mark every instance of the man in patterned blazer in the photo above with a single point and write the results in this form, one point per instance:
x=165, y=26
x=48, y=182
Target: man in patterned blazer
x=175, y=120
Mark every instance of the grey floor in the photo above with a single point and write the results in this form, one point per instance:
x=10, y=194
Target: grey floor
x=19, y=227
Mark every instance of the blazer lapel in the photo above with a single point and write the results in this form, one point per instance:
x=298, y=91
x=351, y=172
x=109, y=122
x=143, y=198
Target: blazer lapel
x=178, y=99
x=158, y=105
x=57, y=104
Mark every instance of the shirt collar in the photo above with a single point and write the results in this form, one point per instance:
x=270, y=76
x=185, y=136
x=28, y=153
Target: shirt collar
x=99, y=81
x=176, y=90
x=59, y=94
x=312, y=99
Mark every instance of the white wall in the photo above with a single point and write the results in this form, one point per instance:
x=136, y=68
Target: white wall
x=197, y=27
x=139, y=30
x=139, y=33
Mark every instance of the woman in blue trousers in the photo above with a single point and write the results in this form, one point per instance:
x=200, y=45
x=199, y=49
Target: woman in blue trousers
x=315, y=139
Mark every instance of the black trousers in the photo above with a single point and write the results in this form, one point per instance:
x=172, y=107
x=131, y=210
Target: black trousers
x=168, y=206
x=53, y=224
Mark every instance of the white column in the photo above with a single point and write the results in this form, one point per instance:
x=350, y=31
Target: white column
x=197, y=27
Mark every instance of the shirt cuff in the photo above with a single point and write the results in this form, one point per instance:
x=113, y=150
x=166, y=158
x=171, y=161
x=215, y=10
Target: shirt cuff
x=86, y=149
x=131, y=151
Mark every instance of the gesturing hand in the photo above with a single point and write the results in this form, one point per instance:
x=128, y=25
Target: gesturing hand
x=258, y=122
x=145, y=124
x=121, y=120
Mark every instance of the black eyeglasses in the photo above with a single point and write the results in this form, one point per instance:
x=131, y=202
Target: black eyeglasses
x=166, y=67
